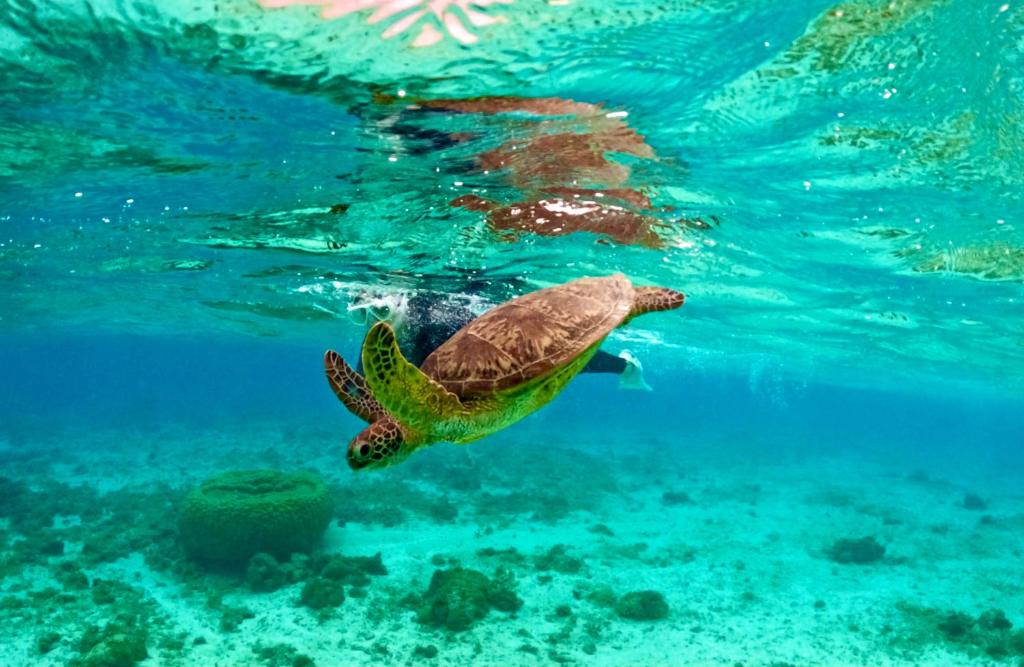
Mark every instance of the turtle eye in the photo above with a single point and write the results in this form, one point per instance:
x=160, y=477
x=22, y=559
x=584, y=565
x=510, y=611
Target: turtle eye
x=364, y=450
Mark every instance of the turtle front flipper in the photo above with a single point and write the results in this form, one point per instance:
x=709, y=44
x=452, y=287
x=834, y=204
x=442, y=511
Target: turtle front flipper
x=351, y=389
x=402, y=389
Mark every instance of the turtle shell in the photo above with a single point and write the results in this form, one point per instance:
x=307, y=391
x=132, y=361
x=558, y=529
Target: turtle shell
x=529, y=336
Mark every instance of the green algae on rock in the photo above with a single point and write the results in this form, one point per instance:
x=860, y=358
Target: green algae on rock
x=325, y=576
x=428, y=652
x=235, y=515
x=558, y=559
x=602, y=596
x=459, y=597
x=974, y=502
x=281, y=655
x=232, y=617
x=265, y=574
x=320, y=593
x=502, y=593
x=105, y=591
x=354, y=570
x=71, y=577
x=955, y=624
x=47, y=641
x=994, y=619
x=857, y=551
x=672, y=498
x=508, y=555
x=642, y=606
x=456, y=599
x=990, y=634
x=117, y=644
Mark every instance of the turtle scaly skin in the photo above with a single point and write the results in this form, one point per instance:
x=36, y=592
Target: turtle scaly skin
x=502, y=366
x=529, y=337
x=651, y=299
x=426, y=412
x=351, y=389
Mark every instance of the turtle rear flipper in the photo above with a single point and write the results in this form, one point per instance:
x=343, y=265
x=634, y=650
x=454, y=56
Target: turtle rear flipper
x=401, y=388
x=351, y=389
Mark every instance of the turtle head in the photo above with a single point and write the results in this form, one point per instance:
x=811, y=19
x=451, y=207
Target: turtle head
x=383, y=443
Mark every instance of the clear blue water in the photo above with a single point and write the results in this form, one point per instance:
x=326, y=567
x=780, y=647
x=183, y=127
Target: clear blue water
x=192, y=194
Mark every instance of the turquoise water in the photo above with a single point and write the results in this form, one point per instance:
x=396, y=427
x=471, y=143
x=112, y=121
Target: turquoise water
x=193, y=194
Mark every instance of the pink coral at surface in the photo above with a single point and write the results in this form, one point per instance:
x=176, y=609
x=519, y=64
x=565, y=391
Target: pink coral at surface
x=449, y=15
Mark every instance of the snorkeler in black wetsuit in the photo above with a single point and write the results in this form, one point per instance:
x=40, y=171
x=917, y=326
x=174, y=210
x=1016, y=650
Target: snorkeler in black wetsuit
x=424, y=321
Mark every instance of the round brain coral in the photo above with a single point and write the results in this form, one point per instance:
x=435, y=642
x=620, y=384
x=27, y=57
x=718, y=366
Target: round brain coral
x=235, y=515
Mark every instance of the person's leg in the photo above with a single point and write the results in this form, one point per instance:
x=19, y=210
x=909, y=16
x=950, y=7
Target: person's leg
x=625, y=365
x=605, y=362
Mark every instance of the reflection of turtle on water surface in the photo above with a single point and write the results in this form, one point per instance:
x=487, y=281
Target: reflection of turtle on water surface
x=555, y=216
x=554, y=141
x=502, y=366
x=581, y=211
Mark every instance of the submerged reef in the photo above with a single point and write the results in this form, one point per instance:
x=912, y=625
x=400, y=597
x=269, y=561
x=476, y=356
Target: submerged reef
x=459, y=597
x=281, y=655
x=642, y=606
x=321, y=593
x=354, y=570
x=265, y=574
x=672, y=498
x=96, y=579
x=323, y=576
x=117, y=644
x=235, y=515
x=973, y=501
x=557, y=558
x=988, y=634
x=506, y=491
x=856, y=551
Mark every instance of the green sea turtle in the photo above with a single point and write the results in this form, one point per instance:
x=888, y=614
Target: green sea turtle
x=494, y=371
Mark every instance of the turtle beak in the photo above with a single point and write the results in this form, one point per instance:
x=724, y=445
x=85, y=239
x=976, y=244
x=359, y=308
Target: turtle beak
x=356, y=464
x=379, y=445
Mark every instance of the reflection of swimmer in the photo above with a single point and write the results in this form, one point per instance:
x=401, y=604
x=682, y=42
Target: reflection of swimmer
x=554, y=216
x=425, y=320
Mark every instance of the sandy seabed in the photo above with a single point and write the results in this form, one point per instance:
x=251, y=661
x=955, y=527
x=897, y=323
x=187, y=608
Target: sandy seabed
x=736, y=536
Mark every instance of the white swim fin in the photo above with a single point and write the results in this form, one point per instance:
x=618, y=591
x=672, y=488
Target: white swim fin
x=633, y=377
